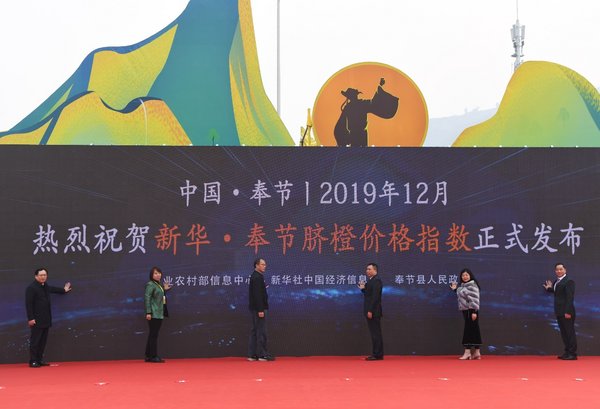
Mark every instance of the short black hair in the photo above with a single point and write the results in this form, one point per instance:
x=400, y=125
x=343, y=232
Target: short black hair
x=560, y=264
x=152, y=270
x=39, y=270
x=375, y=266
x=257, y=261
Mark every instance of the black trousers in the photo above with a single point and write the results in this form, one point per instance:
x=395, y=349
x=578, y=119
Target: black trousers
x=37, y=343
x=257, y=344
x=471, y=333
x=152, y=343
x=376, y=336
x=567, y=332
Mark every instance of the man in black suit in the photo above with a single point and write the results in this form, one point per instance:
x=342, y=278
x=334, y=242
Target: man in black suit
x=372, y=290
x=258, y=303
x=564, y=308
x=39, y=314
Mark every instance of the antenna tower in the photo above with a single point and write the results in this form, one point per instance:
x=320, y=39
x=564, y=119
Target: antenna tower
x=518, y=38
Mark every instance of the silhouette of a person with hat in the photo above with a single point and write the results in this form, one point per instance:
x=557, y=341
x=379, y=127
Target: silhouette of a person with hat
x=351, y=128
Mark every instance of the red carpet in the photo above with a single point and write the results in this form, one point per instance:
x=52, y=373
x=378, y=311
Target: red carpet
x=312, y=382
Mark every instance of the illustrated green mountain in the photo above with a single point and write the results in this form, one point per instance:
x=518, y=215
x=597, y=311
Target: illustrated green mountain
x=545, y=104
x=196, y=82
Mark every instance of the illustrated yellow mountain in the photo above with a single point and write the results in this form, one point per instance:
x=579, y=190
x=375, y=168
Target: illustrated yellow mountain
x=196, y=82
x=545, y=104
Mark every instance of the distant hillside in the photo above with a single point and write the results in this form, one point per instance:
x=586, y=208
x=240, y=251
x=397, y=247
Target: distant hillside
x=444, y=131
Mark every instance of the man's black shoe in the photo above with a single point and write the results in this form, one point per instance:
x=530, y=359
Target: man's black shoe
x=35, y=365
x=44, y=363
x=569, y=357
x=374, y=358
x=155, y=360
x=266, y=358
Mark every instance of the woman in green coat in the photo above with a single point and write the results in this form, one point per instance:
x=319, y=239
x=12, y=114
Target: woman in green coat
x=156, y=309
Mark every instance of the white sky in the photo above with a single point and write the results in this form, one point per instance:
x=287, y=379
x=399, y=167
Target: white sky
x=456, y=51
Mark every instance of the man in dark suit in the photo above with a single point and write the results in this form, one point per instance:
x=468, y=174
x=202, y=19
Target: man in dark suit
x=258, y=303
x=39, y=314
x=564, y=308
x=372, y=290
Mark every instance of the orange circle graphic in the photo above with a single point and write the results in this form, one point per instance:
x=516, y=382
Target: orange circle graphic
x=407, y=126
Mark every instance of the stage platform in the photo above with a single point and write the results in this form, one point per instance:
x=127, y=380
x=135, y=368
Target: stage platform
x=308, y=382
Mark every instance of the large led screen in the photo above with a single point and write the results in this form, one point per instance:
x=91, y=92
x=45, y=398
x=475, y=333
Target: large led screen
x=101, y=217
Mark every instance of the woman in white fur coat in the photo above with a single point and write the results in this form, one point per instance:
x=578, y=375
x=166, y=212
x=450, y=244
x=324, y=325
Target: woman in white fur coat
x=468, y=303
